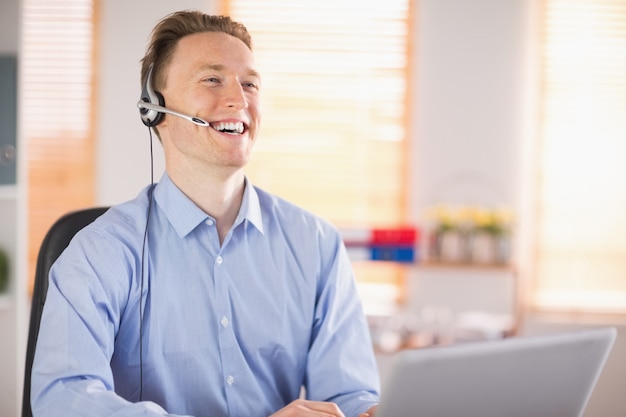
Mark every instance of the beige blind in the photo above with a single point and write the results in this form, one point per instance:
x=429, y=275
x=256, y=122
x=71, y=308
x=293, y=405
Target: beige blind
x=334, y=90
x=334, y=82
x=581, y=257
x=57, y=110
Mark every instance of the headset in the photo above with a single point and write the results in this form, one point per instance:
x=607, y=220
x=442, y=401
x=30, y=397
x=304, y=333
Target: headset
x=152, y=106
x=150, y=116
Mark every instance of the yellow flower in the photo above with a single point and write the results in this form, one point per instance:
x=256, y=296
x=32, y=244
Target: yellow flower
x=471, y=218
x=443, y=217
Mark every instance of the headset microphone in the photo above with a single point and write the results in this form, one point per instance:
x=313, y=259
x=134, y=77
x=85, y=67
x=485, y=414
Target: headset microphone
x=153, y=107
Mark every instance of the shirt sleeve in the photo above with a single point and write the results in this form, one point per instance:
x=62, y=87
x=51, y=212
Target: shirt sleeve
x=86, y=297
x=341, y=366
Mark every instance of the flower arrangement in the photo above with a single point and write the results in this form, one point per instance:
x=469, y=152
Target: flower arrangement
x=470, y=233
x=445, y=218
x=495, y=222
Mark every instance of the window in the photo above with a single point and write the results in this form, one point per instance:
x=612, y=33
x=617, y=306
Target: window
x=334, y=81
x=581, y=252
x=57, y=111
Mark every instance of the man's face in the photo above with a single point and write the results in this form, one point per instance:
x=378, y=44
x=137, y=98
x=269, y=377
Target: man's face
x=211, y=76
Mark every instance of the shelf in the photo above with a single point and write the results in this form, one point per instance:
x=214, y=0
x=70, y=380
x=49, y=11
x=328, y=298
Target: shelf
x=465, y=266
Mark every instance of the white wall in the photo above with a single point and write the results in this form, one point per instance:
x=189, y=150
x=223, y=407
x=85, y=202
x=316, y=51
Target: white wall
x=468, y=101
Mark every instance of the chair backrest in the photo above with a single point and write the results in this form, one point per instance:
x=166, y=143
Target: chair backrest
x=55, y=242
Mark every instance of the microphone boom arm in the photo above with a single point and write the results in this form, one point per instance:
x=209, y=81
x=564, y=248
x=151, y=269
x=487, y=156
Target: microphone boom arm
x=149, y=106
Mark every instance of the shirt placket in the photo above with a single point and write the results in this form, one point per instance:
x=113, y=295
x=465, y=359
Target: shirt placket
x=226, y=331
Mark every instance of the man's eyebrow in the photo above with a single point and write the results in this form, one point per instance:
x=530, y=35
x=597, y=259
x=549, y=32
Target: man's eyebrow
x=214, y=67
x=219, y=67
x=254, y=73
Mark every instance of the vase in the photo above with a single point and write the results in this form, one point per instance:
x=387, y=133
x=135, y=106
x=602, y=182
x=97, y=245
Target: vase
x=489, y=248
x=453, y=247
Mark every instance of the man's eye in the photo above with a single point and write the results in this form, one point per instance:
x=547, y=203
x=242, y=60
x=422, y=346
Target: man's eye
x=212, y=80
x=251, y=86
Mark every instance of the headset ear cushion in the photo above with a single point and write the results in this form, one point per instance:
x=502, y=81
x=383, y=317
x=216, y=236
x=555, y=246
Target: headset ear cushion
x=151, y=118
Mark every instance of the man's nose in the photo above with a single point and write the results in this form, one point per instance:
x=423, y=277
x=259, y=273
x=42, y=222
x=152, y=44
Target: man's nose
x=235, y=97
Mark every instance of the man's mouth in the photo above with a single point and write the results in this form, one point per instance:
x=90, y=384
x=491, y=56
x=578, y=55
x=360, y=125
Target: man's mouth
x=232, y=128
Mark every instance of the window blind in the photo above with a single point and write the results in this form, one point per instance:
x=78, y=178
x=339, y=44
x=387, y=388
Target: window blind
x=334, y=80
x=581, y=250
x=333, y=138
x=57, y=110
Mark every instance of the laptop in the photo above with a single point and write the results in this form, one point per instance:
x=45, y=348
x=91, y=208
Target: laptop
x=538, y=376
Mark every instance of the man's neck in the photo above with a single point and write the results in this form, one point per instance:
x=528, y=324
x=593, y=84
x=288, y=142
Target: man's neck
x=219, y=196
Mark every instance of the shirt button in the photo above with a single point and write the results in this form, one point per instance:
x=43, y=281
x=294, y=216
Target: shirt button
x=230, y=380
x=224, y=321
x=219, y=260
x=210, y=222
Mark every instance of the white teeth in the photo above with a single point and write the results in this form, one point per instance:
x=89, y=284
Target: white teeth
x=232, y=127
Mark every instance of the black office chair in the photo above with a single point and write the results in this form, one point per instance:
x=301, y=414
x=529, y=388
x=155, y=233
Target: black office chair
x=56, y=240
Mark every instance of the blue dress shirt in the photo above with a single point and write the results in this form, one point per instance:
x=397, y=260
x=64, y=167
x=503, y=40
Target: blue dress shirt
x=228, y=330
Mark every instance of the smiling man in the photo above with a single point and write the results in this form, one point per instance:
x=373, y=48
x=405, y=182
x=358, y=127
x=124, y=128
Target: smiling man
x=235, y=301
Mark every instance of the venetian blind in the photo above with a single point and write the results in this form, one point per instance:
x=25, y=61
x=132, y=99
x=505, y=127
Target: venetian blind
x=581, y=258
x=334, y=82
x=57, y=110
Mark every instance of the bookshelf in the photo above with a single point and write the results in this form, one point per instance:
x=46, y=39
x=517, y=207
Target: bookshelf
x=441, y=300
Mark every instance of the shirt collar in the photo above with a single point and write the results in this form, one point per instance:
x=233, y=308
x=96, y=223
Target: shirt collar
x=250, y=207
x=185, y=216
